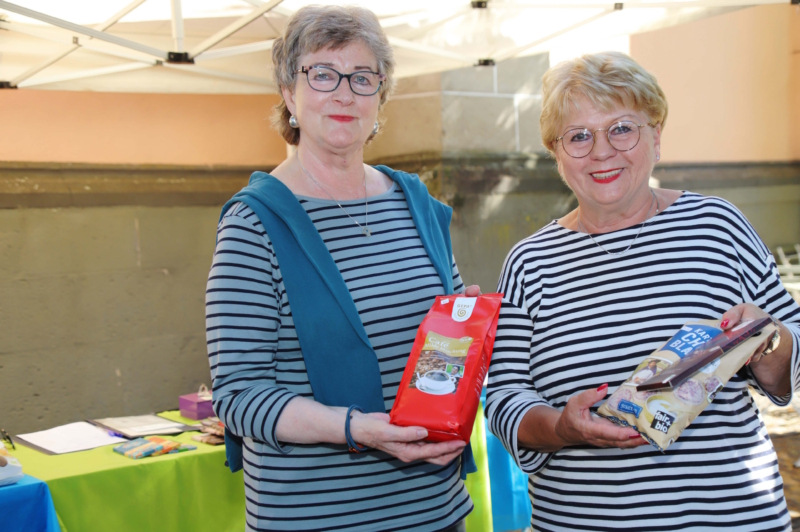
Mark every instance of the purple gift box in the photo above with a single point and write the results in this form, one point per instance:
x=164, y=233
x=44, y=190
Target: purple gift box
x=193, y=407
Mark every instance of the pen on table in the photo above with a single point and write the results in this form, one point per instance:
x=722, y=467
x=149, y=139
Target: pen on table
x=115, y=434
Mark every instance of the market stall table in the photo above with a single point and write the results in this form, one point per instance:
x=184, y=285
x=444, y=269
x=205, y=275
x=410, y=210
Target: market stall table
x=27, y=507
x=100, y=489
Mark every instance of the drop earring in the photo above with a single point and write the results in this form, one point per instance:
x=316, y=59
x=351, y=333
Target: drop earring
x=376, y=128
x=293, y=122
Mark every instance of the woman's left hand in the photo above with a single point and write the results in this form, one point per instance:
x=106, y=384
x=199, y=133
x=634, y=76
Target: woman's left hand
x=772, y=372
x=472, y=290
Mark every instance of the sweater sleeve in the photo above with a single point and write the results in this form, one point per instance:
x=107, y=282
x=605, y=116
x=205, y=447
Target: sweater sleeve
x=763, y=287
x=511, y=392
x=242, y=324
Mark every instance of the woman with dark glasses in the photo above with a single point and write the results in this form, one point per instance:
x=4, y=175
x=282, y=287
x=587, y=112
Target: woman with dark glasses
x=323, y=271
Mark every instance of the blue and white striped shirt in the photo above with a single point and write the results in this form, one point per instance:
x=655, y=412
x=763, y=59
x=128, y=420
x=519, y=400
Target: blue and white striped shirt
x=257, y=368
x=575, y=318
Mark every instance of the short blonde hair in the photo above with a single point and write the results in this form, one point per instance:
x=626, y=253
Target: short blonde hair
x=606, y=79
x=313, y=28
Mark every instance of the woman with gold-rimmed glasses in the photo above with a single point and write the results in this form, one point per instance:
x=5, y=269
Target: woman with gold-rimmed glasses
x=592, y=294
x=323, y=271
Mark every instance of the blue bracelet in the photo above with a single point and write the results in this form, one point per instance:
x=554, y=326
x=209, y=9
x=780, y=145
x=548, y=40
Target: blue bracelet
x=352, y=446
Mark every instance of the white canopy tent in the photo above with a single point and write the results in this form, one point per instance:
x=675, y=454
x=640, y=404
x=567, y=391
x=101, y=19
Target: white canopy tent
x=223, y=46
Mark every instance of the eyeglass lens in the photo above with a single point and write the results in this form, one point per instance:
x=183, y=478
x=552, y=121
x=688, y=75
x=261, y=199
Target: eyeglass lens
x=325, y=79
x=623, y=136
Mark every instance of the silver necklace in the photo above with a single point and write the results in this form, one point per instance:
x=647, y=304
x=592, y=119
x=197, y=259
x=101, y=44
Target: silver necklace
x=364, y=228
x=616, y=254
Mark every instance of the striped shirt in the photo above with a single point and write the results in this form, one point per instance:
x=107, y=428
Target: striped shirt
x=575, y=318
x=257, y=368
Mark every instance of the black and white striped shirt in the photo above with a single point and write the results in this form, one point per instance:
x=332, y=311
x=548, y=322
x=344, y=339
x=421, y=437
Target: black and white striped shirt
x=257, y=368
x=575, y=318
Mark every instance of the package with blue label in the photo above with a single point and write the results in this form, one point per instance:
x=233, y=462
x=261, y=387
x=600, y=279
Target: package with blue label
x=676, y=382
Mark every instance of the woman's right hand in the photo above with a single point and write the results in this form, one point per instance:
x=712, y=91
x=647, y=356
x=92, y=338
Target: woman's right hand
x=577, y=425
x=404, y=443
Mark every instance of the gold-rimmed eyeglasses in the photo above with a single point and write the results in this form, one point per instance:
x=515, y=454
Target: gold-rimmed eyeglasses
x=325, y=79
x=623, y=136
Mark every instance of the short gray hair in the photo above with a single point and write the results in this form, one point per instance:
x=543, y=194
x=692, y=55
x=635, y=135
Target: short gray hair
x=313, y=28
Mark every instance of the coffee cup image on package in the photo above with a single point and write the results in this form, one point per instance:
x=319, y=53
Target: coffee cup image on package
x=660, y=415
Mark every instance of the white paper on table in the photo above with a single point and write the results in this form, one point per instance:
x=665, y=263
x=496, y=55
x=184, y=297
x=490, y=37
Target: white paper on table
x=135, y=426
x=69, y=438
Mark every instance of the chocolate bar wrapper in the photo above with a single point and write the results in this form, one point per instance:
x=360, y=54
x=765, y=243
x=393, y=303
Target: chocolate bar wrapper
x=660, y=416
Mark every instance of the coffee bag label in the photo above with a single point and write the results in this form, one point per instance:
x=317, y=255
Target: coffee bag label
x=452, y=347
x=689, y=338
x=629, y=408
x=463, y=307
x=662, y=421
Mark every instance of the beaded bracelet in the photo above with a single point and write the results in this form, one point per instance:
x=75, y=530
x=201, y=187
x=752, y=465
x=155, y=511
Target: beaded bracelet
x=352, y=446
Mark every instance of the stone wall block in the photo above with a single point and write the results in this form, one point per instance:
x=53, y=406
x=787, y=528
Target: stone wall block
x=478, y=124
x=469, y=79
x=522, y=75
x=529, y=110
x=101, y=379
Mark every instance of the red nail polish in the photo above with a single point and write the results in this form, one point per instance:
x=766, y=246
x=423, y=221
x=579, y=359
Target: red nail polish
x=602, y=388
x=724, y=323
x=634, y=437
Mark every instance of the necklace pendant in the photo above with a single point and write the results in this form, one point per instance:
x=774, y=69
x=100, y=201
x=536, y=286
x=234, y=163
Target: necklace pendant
x=365, y=231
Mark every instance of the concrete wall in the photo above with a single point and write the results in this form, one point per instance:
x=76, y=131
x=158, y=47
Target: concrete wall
x=103, y=311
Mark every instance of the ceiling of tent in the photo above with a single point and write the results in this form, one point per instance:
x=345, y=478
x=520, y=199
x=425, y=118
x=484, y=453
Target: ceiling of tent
x=125, y=45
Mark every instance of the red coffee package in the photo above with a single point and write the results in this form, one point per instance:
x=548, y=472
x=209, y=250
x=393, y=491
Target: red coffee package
x=442, y=383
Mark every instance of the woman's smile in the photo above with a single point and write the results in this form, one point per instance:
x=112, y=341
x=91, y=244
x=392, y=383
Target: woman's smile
x=604, y=177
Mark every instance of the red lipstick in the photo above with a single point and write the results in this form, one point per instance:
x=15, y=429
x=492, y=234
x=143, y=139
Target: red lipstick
x=343, y=118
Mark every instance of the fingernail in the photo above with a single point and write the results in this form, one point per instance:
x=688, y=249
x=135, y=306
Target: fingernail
x=422, y=433
x=724, y=323
x=634, y=436
x=602, y=388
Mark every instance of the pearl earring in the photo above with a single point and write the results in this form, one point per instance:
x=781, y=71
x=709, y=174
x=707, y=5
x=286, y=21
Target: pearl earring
x=293, y=122
x=376, y=128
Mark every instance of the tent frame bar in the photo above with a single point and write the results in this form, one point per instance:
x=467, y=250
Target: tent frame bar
x=248, y=48
x=177, y=25
x=232, y=28
x=75, y=44
x=77, y=28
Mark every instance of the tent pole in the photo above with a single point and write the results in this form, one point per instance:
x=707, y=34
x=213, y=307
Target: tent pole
x=83, y=30
x=192, y=69
x=86, y=74
x=54, y=59
x=232, y=28
x=177, y=25
x=248, y=48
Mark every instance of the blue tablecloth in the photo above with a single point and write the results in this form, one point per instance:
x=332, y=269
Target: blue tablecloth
x=27, y=507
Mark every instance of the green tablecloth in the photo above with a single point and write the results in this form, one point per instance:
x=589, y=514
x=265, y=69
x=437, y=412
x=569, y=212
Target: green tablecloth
x=102, y=490
x=191, y=491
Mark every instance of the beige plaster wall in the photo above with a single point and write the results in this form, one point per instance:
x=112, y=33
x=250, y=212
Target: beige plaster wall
x=729, y=76
x=127, y=128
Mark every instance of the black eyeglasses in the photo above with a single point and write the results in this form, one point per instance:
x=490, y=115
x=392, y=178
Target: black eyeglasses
x=7, y=438
x=325, y=79
x=623, y=136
